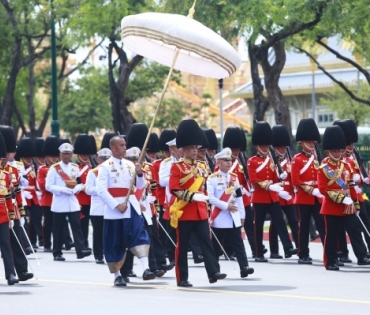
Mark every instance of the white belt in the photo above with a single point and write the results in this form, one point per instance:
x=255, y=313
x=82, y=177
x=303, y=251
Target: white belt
x=311, y=182
x=286, y=183
x=30, y=187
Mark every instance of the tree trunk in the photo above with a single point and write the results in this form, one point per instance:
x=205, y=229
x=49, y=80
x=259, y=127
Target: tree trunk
x=30, y=100
x=261, y=103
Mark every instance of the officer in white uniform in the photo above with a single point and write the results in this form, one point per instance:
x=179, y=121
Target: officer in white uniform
x=65, y=202
x=227, y=216
x=123, y=223
x=97, y=206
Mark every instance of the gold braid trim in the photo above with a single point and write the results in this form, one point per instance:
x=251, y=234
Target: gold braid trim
x=307, y=188
x=153, y=185
x=264, y=184
x=357, y=205
x=336, y=196
x=185, y=195
x=351, y=183
x=338, y=174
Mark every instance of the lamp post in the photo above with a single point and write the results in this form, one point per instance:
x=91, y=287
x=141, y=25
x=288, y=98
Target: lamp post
x=220, y=86
x=54, y=83
x=313, y=68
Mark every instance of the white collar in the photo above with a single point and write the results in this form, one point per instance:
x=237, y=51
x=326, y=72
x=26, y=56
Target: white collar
x=116, y=160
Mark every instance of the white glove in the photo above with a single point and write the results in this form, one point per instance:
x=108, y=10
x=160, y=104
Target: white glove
x=366, y=180
x=276, y=187
x=358, y=190
x=11, y=224
x=66, y=190
x=151, y=198
x=347, y=201
x=200, y=197
x=316, y=192
x=21, y=221
x=38, y=194
x=284, y=195
x=283, y=175
x=356, y=178
x=246, y=192
x=77, y=189
x=26, y=194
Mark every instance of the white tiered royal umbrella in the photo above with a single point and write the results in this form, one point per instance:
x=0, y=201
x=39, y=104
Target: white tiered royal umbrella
x=181, y=43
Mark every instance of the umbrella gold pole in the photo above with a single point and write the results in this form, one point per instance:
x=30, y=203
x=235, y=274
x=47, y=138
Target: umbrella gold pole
x=177, y=51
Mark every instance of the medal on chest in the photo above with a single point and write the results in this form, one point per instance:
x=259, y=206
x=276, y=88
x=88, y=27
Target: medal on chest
x=272, y=166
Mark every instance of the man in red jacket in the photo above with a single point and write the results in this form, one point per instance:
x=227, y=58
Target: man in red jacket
x=335, y=182
x=267, y=190
x=189, y=210
x=304, y=178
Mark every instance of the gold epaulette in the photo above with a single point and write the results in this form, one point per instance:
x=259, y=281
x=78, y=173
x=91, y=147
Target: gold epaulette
x=201, y=164
x=74, y=164
x=167, y=159
x=19, y=162
x=323, y=165
x=94, y=170
x=233, y=174
x=55, y=164
x=177, y=162
x=213, y=175
x=147, y=163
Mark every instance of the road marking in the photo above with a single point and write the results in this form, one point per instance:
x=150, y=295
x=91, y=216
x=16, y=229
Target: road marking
x=148, y=286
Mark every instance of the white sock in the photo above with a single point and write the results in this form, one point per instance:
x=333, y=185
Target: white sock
x=116, y=275
x=144, y=262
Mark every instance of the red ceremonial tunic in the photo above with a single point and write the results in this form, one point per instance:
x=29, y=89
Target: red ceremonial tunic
x=183, y=175
x=46, y=197
x=160, y=192
x=333, y=192
x=31, y=177
x=351, y=160
x=83, y=198
x=305, y=182
x=6, y=204
x=14, y=179
x=287, y=183
x=262, y=180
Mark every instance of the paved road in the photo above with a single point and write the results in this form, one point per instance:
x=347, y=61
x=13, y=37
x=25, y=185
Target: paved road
x=277, y=287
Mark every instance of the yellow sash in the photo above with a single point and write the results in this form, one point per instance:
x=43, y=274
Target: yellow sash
x=175, y=209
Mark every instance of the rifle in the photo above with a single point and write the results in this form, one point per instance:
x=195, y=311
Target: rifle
x=92, y=162
x=243, y=161
x=275, y=158
x=211, y=164
x=289, y=154
x=360, y=162
x=318, y=152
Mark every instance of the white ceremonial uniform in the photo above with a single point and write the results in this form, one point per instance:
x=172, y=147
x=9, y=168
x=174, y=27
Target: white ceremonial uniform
x=164, y=175
x=62, y=202
x=97, y=205
x=216, y=185
x=117, y=173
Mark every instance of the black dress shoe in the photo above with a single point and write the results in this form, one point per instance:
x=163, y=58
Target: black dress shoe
x=264, y=251
x=345, y=259
x=309, y=258
x=332, y=267
x=119, y=282
x=131, y=274
x=126, y=279
x=148, y=275
x=184, y=284
x=199, y=259
x=69, y=246
x=291, y=252
x=28, y=250
x=48, y=250
x=339, y=263
x=260, y=259
x=159, y=273
x=167, y=267
x=245, y=271
x=276, y=256
x=363, y=262
x=368, y=255
x=12, y=279
x=216, y=276
x=59, y=258
x=304, y=261
x=84, y=254
x=99, y=261
x=24, y=276
x=34, y=246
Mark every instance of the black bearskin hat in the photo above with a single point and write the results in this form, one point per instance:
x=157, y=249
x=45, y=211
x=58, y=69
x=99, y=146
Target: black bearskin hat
x=353, y=127
x=153, y=145
x=262, y=134
x=39, y=144
x=94, y=148
x=346, y=128
x=189, y=133
x=334, y=139
x=106, y=138
x=166, y=135
x=280, y=136
x=9, y=138
x=2, y=147
x=64, y=140
x=83, y=145
x=136, y=135
x=26, y=148
x=51, y=146
x=212, y=139
x=232, y=138
x=307, y=131
x=244, y=140
x=205, y=143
